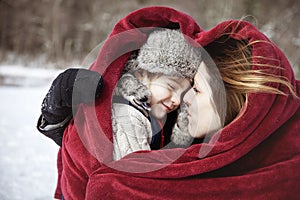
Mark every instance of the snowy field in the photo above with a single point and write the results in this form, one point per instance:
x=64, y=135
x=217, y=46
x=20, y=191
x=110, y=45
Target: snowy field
x=27, y=158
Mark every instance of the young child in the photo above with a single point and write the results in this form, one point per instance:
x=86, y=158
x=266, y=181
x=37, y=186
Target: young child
x=158, y=77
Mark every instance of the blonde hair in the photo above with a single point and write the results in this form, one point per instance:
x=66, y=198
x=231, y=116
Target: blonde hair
x=233, y=59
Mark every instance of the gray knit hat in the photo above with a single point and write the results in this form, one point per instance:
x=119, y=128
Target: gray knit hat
x=167, y=52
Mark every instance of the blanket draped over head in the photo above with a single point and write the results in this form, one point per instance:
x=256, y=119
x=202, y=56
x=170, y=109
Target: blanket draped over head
x=254, y=157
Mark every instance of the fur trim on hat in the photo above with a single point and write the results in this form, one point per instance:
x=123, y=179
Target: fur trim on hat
x=167, y=52
x=130, y=87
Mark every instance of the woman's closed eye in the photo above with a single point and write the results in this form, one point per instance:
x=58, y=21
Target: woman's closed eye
x=196, y=90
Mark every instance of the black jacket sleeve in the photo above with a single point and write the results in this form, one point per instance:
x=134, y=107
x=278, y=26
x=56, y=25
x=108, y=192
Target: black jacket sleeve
x=69, y=89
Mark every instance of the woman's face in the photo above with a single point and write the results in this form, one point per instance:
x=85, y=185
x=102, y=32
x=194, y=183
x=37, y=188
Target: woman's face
x=166, y=94
x=202, y=114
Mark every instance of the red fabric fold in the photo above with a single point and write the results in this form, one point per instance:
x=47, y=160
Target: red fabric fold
x=254, y=157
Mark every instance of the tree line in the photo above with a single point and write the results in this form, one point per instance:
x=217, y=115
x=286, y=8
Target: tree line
x=69, y=29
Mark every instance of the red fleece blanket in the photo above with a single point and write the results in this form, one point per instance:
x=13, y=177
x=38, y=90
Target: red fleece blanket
x=254, y=157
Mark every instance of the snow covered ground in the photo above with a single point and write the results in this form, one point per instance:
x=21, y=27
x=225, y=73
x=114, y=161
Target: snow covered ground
x=27, y=158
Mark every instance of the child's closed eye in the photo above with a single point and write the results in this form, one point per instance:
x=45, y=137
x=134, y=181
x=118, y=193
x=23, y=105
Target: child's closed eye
x=171, y=86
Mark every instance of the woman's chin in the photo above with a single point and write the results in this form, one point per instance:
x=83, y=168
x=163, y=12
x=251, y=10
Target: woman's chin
x=191, y=131
x=194, y=132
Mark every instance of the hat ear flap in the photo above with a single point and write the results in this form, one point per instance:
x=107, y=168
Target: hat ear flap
x=130, y=87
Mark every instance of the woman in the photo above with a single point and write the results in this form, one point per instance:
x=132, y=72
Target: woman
x=252, y=151
x=220, y=101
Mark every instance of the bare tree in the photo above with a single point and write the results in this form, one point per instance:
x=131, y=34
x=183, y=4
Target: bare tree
x=69, y=29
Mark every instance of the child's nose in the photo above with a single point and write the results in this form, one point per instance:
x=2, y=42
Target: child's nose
x=175, y=99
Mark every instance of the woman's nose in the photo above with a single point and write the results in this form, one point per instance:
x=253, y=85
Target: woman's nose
x=187, y=97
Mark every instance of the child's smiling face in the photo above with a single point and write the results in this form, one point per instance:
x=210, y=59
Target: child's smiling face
x=166, y=93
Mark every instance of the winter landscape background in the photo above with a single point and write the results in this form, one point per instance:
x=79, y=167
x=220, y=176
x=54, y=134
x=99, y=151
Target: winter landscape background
x=27, y=158
x=63, y=31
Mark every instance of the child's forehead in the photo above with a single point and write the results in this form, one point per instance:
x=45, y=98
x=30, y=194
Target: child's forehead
x=173, y=78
